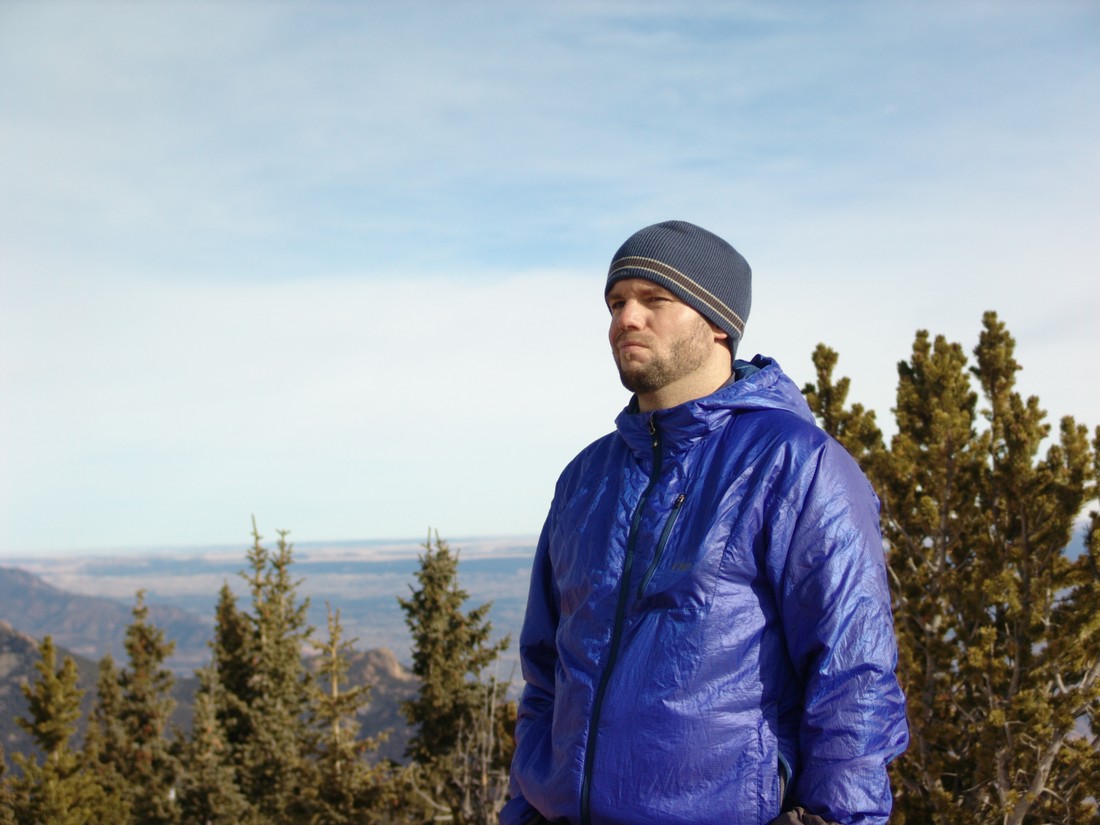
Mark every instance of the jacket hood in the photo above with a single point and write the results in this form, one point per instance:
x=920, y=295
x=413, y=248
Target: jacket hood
x=759, y=384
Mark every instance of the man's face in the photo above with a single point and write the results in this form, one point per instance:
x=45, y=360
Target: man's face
x=656, y=339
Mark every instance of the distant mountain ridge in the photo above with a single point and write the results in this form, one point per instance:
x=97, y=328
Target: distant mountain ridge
x=361, y=579
x=88, y=627
x=92, y=626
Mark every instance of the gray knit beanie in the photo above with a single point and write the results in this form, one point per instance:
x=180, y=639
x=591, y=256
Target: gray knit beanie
x=696, y=266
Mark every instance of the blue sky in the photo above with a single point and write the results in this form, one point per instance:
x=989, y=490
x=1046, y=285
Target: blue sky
x=340, y=265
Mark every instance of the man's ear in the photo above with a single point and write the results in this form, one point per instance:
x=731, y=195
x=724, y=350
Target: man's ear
x=719, y=334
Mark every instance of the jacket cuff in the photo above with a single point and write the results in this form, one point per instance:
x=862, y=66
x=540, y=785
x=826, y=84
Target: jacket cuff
x=518, y=811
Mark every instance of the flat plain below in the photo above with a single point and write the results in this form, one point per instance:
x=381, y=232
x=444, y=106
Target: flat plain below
x=362, y=580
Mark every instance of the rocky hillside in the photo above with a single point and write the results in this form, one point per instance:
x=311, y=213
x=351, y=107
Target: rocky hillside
x=91, y=626
x=391, y=684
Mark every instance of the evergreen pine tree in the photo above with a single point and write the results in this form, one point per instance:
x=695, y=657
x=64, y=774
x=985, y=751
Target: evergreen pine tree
x=998, y=632
x=931, y=521
x=57, y=790
x=854, y=427
x=1023, y=601
x=266, y=689
x=456, y=713
x=207, y=790
x=7, y=810
x=105, y=739
x=144, y=755
x=1073, y=642
x=233, y=665
x=349, y=789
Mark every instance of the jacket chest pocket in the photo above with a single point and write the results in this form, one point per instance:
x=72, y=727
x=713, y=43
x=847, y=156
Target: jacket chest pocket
x=684, y=569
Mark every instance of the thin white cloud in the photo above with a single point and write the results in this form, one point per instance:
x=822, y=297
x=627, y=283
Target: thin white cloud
x=376, y=405
x=340, y=263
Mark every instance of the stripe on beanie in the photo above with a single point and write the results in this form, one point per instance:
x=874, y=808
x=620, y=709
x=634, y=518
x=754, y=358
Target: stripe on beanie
x=685, y=283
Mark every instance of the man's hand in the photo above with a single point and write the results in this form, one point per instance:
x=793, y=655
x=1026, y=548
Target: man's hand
x=799, y=817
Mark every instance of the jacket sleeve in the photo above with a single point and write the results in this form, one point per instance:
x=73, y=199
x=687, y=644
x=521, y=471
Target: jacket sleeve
x=538, y=659
x=835, y=605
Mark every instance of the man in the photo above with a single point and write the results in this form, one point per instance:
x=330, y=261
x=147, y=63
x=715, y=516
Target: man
x=708, y=635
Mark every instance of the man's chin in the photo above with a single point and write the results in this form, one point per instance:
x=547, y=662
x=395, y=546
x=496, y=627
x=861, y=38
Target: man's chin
x=637, y=380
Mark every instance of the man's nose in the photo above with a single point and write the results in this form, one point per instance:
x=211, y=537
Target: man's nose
x=630, y=316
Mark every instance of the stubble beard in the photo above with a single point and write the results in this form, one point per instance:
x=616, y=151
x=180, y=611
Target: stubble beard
x=685, y=356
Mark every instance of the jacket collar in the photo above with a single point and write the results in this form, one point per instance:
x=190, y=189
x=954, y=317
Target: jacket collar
x=759, y=384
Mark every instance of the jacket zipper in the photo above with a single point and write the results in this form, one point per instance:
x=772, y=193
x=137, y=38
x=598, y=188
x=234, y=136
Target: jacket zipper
x=617, y=629
x=665, y=533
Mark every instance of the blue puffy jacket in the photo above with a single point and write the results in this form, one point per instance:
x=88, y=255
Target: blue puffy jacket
x=709, y=610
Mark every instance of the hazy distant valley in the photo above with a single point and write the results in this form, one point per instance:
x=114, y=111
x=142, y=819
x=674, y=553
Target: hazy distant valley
x=84, y=604
x=361, y=579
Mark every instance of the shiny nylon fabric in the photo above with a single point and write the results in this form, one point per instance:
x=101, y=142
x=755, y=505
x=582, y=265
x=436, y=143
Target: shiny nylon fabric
x=754, y=625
